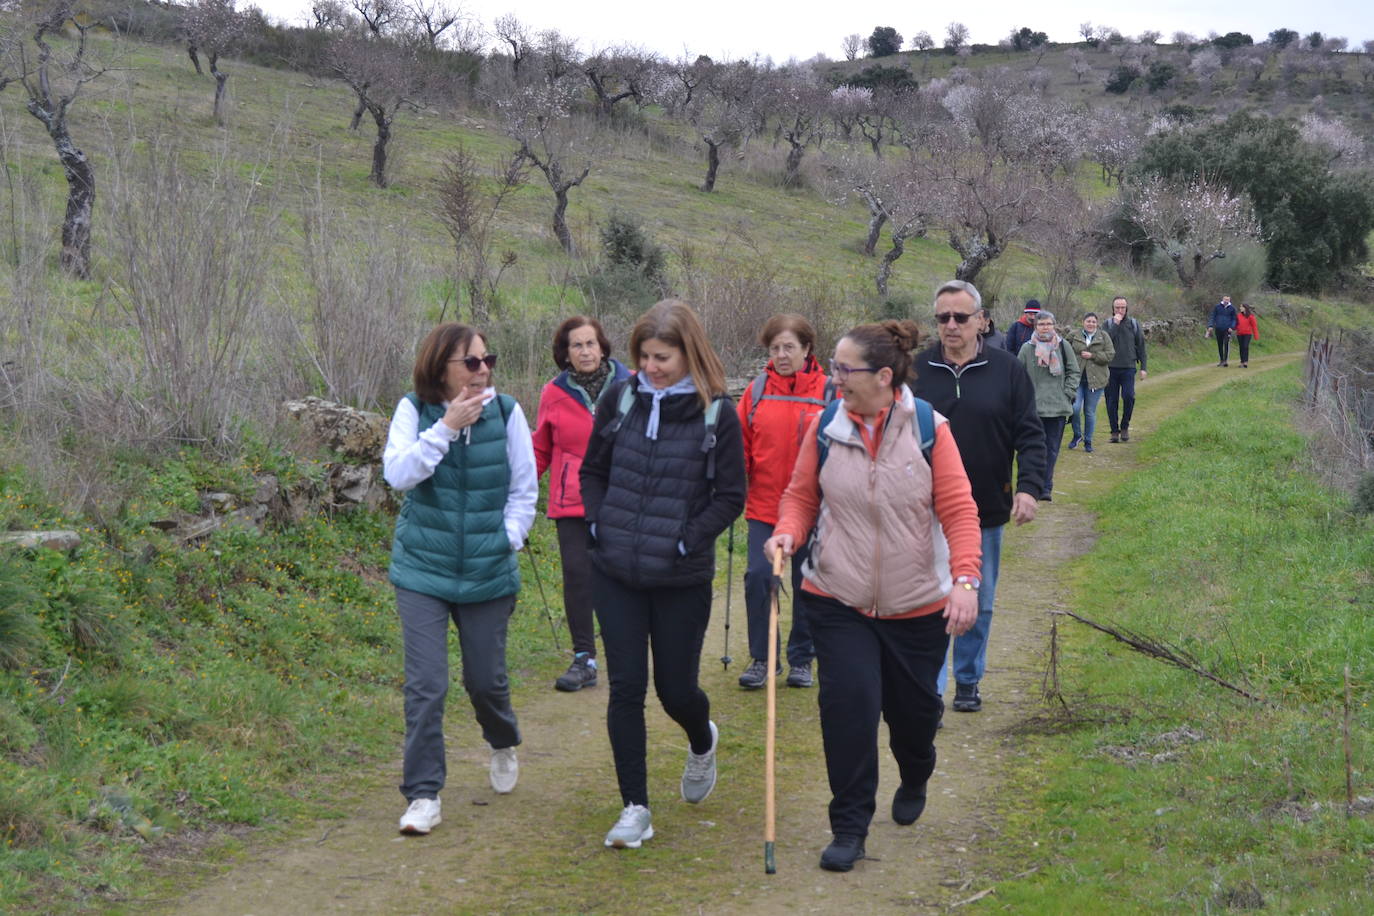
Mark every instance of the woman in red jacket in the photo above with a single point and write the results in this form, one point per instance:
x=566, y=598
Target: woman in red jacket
x=774, y=413
x=1247, y=329
x=566, y=408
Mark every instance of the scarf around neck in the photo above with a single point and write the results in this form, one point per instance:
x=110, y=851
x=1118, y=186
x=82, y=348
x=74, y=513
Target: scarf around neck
x=685, y=385
x=591, y=382
x=1047, y=354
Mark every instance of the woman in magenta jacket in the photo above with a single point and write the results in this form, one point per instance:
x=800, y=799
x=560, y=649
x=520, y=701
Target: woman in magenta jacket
x=774, y=414
x=567, y=406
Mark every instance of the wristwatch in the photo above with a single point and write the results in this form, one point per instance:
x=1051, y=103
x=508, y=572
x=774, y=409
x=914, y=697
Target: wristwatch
x=970, y=583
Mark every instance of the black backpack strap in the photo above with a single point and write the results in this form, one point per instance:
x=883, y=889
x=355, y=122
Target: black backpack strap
x=708, y=439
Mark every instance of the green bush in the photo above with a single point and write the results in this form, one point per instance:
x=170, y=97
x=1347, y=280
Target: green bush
x=1364, y=495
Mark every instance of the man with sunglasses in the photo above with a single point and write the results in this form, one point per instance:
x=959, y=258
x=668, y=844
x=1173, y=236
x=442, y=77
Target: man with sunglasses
x=990, y=402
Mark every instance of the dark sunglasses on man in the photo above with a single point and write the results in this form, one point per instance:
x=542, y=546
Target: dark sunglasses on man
x=959, y=317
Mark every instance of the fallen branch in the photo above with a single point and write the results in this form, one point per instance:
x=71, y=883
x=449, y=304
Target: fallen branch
x=58, y=686
x=988, y=890
x=1163, y=651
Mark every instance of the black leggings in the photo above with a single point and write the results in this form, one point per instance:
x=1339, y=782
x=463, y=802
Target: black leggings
x=1244, y=341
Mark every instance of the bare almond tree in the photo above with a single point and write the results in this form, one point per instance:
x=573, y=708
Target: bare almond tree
x=388, y=77
x=723, y=114
x=378, y=15
x=540, y=119
x=432, y=18
x=799, y=107
x=467, y=204
x=513, y=34
x=215, y=27
x=52, y=75
x=852, y=45
x=618, y=74
x=1193, y=223
x=896, y=195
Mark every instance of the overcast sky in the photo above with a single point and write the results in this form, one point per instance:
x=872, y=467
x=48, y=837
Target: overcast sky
x=803, y=28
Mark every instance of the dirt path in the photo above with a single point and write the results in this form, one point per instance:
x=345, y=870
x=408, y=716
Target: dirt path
x=539, y=849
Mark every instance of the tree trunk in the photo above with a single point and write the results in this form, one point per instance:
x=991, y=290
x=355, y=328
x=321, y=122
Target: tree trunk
x=191, y=51
x=378, y=175
x=876, y=219
x=76, y=225
x=885, y=265
x=360, y=110
x=712, y=166
x=560, y=222
x=791, y=177
x=220, y=79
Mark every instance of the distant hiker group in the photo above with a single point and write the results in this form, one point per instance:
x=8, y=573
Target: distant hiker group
x=886, y=481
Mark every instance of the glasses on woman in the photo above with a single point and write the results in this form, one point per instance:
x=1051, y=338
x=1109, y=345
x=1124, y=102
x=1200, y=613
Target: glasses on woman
x=841, y=372
x=473, y=363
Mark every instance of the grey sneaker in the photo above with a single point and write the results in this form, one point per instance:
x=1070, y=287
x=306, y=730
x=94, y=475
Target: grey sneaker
x=799, y=675
x=581, y=673
x=756, y=675
x=632, y=829
x=505, y=770
x=699, y=775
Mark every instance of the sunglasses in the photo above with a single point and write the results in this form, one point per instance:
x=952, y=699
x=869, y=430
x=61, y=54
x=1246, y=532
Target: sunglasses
x=473, y=363
x=959, y=317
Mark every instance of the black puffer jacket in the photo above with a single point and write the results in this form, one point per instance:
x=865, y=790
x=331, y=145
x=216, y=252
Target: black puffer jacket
x=645, y=495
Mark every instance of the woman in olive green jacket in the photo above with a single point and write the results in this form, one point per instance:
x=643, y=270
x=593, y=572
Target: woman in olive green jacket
x=1095, y=350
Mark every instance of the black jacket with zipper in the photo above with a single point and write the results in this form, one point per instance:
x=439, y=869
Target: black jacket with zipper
x=990, y=403
x=644, y=496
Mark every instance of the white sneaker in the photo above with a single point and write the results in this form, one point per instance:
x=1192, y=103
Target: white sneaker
x=699, y=775
x=421, y=817
x=632, y=829
x=505, y=770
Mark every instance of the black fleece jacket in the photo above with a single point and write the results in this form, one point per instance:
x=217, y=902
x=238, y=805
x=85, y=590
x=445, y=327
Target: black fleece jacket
x=645, y=495
x=990, y=403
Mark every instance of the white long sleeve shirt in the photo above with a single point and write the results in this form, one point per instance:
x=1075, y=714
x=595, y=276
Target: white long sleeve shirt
x=411, y=456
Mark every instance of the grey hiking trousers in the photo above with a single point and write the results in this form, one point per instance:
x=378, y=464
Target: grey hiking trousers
x=482, y=641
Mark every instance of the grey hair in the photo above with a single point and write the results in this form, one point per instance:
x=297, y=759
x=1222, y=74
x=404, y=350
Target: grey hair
x=960, y=286
x=1043, y=314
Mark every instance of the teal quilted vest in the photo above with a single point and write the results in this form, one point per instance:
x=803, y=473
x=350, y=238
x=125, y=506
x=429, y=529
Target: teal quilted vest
x=451, y=535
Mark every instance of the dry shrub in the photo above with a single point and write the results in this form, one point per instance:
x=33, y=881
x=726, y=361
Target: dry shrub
x=1340, y=410
x=362, y=317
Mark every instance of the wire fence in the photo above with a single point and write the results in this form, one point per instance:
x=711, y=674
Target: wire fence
x=1339, y=396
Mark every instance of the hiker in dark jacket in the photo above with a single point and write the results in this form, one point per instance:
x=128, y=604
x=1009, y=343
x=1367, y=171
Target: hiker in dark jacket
x=990, y=402
x=566, y=407
x=1129, y=342
x=1220, y=325
x=461, y=452
x=662, y=478
x=1022, y=329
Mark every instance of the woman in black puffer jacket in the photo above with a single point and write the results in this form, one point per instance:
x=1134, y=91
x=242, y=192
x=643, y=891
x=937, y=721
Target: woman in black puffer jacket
x=662, y=478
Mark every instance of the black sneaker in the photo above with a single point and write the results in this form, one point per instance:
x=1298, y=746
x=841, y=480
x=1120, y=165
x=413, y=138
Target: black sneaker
x=581, y=673
x=843, y=852
x=756, y=675
x=799, y=675
x=908, y=804
x=966, y=698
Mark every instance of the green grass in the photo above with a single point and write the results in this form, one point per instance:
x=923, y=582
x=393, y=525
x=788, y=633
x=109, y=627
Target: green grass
x=1224, y=546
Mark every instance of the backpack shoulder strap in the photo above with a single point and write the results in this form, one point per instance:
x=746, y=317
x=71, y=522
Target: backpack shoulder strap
x=711, y=419
x=923, y=425
x=756, y=393
x=822, y=439
x=623, y=406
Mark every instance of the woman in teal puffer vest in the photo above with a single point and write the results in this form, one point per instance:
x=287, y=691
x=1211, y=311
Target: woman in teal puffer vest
x=463, y=455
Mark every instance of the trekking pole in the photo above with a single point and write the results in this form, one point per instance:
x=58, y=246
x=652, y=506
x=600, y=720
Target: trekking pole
x=725, y=659
x=769, y=789
x=553, y=628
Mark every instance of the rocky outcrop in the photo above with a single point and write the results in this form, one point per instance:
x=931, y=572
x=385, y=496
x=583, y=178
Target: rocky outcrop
x=356, y=434
x=32, y=540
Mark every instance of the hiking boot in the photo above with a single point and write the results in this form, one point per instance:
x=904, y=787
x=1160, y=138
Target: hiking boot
x=799, y=675
x=1125, y=434
x=966, y=698
x=505, y=770
x=632, y=828
x=844, y=850
x=699, y=775
x=1116, y=437
x=756, y=675
x=1073, y=443
x=908, y=804
x=421, y=817
x=581, y=673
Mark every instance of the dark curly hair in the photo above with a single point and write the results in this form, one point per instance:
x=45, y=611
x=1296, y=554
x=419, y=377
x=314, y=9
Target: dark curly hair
x=888, y=345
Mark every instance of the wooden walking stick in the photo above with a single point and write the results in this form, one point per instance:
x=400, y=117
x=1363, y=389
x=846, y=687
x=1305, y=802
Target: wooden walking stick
x=769, y=788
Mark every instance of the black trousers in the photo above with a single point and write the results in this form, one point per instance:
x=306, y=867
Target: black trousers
x=1244, y=341
x=1223, y=345
x=874, y=667
x=574, y=546
x=671, y=624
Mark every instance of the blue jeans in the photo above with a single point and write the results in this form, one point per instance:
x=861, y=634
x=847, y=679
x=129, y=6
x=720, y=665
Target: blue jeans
x=1084, y=416
x=971, y=649
x=758, y=582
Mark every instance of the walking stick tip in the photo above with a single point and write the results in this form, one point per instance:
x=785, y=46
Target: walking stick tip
x=770, y=865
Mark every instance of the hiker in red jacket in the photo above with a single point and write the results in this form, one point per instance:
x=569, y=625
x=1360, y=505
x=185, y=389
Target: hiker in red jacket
x=566, y=408
x=774, y=413
x=1247, y=329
